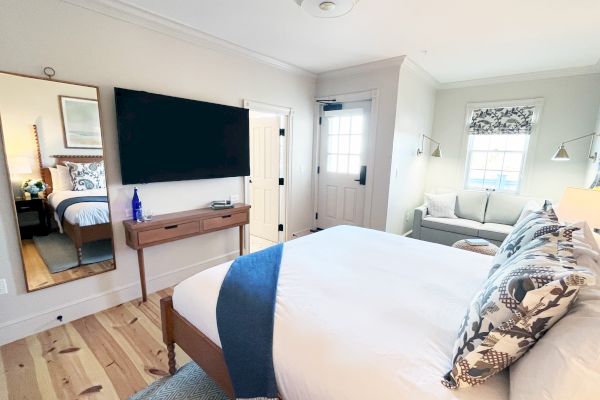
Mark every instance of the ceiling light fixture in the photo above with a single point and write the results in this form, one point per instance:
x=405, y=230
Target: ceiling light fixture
x=327, y=8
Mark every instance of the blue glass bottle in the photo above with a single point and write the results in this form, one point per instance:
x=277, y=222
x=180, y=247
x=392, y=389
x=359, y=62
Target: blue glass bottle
x=136, y=206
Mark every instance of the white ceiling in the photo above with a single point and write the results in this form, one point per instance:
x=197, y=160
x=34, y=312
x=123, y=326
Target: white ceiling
x=463, y=39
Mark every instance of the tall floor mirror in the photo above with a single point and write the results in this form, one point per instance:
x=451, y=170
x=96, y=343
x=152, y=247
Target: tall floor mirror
x=52, y=141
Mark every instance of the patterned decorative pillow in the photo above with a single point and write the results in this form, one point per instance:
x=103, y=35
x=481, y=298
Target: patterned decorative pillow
x=87, y=176
x=517, y=305
x=534, y=225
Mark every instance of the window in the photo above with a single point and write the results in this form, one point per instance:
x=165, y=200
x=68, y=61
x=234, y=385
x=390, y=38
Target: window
x=344, y=142
x=497, y=147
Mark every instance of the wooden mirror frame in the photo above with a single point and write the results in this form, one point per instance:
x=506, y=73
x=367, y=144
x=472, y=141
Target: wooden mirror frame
x=59, y=158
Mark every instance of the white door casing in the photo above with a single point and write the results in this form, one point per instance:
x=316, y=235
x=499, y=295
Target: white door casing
x=264, y=177
x=343, y=144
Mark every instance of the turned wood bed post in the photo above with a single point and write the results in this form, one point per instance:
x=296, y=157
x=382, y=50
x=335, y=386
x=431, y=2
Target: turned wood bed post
x=166, y=308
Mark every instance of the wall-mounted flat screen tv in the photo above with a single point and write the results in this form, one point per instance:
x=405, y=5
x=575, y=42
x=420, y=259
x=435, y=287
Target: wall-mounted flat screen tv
x=164, y=138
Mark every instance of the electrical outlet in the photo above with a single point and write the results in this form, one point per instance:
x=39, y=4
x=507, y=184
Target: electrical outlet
x=3, y=287
x=234, y=198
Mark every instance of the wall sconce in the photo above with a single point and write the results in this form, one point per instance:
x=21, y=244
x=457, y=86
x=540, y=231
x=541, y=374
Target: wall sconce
x=562, y=155
x=436, y=153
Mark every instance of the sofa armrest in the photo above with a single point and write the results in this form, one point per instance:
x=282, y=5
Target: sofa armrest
x=420, y=213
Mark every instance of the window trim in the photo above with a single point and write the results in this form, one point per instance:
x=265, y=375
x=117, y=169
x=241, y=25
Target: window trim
x=524, y=177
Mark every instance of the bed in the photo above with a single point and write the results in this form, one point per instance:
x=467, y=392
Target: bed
x=82, y=222
x=354, y=298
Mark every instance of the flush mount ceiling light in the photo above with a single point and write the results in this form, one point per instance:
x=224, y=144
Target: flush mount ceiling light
x=327, y=8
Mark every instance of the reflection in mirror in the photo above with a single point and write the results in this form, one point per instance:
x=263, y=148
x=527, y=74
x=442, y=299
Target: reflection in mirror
x=53, y=146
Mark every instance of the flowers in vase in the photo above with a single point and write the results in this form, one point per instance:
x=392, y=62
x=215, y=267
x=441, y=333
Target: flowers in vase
x=34, y=186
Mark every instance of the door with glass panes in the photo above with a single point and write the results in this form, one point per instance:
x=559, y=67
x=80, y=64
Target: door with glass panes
x=342, y=165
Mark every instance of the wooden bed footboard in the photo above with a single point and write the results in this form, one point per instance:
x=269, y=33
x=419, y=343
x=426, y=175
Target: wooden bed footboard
x=83, y=234
x=209, y=356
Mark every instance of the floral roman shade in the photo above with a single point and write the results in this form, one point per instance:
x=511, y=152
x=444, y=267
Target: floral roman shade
x=502, y=120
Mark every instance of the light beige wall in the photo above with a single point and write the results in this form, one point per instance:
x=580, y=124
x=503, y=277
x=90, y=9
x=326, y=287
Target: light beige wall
x=91, y=48
x=570, y=110
x=24, y=102
x=593, y=167
x=414, y=117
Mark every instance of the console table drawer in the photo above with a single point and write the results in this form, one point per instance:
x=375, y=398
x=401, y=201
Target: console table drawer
x=225, y=221
x=168, y=232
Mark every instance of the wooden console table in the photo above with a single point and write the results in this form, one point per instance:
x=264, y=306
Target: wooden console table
x=175, y=226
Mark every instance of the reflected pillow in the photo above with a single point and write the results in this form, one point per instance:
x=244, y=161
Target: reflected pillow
x=87, y=176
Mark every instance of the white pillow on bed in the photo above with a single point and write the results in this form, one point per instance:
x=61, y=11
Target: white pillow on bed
x=441, y=205
x=564, y=364
x=61, y=179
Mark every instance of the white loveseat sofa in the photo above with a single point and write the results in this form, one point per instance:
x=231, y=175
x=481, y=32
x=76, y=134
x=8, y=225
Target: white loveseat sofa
x=480, y=214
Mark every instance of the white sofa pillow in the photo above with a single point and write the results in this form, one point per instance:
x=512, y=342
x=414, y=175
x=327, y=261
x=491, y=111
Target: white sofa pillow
x=441, y=205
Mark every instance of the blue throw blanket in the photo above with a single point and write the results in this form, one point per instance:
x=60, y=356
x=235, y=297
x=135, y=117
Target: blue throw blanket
x=245, y=316
x=63, y=205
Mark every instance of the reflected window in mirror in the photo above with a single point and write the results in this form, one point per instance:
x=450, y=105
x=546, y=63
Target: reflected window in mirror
x=52, y=141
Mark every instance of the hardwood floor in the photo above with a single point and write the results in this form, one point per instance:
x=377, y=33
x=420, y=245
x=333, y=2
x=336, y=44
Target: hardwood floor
x=38, y=276
x=108, y=355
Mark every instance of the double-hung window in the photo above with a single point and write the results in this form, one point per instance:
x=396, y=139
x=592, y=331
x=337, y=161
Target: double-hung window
x=497, y=146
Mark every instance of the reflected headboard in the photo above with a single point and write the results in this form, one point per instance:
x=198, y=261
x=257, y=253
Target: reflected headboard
x=60, y=160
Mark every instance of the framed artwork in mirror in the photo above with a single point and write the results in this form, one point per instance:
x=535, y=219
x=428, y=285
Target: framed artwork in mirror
x=63, y=226
x=81, y=122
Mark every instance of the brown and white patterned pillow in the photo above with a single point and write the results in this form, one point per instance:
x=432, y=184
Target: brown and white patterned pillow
x=534, y=225
x=516, y=306
x=87, y=176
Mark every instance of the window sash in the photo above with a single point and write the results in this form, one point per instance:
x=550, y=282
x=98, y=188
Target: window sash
x=502, y=170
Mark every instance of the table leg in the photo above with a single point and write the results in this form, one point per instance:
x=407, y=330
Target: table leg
x=140, y=254
x=241, y=240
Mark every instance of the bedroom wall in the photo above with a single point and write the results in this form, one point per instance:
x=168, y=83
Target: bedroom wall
x=593, y=167
x=382, y=76
x=414, y=117
x=24, y=102
x=570, y=110
x=92, y=48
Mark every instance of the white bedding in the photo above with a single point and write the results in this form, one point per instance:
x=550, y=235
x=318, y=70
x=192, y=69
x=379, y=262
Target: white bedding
x=360, y=314
x=82, y=214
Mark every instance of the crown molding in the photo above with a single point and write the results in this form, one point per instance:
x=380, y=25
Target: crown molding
x=362, y=68
x=549, y=74
x=141, y=17
x=417, y=69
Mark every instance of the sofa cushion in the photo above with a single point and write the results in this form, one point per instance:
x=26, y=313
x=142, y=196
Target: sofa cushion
x=441, y=205
x=504, y=208
x=456, y=225
x=492, y=231
x=470, y=204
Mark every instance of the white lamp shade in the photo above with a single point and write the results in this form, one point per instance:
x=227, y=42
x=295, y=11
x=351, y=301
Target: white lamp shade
x=580, y=205
x=19, y=165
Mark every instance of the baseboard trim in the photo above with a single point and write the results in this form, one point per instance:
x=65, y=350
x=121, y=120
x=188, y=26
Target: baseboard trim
x=36, y=322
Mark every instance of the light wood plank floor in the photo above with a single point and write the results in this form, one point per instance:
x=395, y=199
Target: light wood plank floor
x=38, y=276
x=108, y=355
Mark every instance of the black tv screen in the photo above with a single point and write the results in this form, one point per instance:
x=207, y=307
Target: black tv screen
x=164, y=138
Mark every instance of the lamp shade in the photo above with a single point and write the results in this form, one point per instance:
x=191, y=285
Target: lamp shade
x=437, y=152
x=580, y=205
x=561, y=154
x=19, y=165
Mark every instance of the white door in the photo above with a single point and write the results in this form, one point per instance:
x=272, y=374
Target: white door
x=342, y=165
x=264, y=177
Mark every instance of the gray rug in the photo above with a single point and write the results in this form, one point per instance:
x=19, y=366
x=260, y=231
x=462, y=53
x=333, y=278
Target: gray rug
x=189, y=383
x=59, y=252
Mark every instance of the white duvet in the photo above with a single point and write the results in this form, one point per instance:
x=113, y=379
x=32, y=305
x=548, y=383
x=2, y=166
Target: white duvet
x=82, y=214
x=360, y=314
